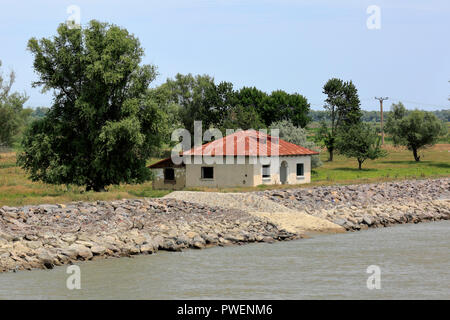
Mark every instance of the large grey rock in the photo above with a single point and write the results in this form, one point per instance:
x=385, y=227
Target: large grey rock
x=367, y=220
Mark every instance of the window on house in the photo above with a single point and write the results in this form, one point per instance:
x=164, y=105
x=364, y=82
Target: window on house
x=207, y=173
x=300, y=170
x=266, y=171
x=169, y=174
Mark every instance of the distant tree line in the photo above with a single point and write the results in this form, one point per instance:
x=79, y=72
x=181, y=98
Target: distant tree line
x=375, y=116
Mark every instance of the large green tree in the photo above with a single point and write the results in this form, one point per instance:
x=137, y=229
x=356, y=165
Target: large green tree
x=343, y=107
x=12, y=113
x=102, y=125
x=414, y=130
x=197, y=97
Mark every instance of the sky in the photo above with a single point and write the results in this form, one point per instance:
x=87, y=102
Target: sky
x=402, y=53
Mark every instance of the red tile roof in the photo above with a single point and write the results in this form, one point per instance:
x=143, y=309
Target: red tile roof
x=250, y=143
x=246, y=143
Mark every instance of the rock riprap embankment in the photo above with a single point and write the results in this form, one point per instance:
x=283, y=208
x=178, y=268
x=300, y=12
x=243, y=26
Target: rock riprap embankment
x=292, y=220
x=361, y=206
x=47, y=235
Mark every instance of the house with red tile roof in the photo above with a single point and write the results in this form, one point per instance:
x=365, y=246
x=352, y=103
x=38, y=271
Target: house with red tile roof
x=244, y=158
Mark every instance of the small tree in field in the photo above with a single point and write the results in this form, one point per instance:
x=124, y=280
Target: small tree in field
x=416, y=130
x=359, y=141
x=102, y=125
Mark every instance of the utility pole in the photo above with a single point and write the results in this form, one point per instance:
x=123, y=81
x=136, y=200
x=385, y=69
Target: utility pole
x=381, y=99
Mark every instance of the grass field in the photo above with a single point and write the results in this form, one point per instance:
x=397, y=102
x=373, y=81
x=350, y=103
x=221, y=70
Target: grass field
x=16, y=189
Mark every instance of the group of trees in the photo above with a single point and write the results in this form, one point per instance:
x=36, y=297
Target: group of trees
x=345, y=130
x=347, y=133
x=106, y=121
x=191, y=98
x=373, y=116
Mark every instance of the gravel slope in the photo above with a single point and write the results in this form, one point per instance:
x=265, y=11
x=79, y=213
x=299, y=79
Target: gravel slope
x=292, y=220
x=338, y=208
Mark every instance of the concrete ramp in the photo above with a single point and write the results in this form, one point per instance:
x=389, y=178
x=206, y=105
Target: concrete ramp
x=291, y=220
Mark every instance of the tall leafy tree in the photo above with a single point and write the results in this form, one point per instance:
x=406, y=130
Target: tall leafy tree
x=102, y=125
x=12, y=113
x=195, y=95
x=359, y=141
x=201, y=99
x=284, y=106
x=416, y=130
x=298, y=110
x=343, y=107
x=222, y=101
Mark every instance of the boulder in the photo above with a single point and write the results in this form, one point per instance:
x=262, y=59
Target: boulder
x=83, y=251
x=367, y=220
x=147, y=248
x=98, y=250
x=46, y=258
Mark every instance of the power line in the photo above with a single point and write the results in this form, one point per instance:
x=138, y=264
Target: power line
x=413, y=102
x=421, y=103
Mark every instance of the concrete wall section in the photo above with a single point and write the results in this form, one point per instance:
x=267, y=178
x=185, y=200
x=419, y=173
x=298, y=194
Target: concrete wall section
x=160, y=183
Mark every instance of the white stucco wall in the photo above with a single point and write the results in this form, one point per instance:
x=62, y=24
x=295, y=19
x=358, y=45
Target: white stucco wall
x=291, y=171
x=247, y=172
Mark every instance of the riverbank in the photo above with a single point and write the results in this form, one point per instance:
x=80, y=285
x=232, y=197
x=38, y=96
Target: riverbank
x=338, y=208
x=47, y=235
x=413, y=259
x=362, y=206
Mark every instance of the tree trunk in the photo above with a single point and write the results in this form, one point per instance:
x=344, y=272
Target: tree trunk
x=330, y=151
x=360, y=164
x=416, y=156
x=95, y=188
